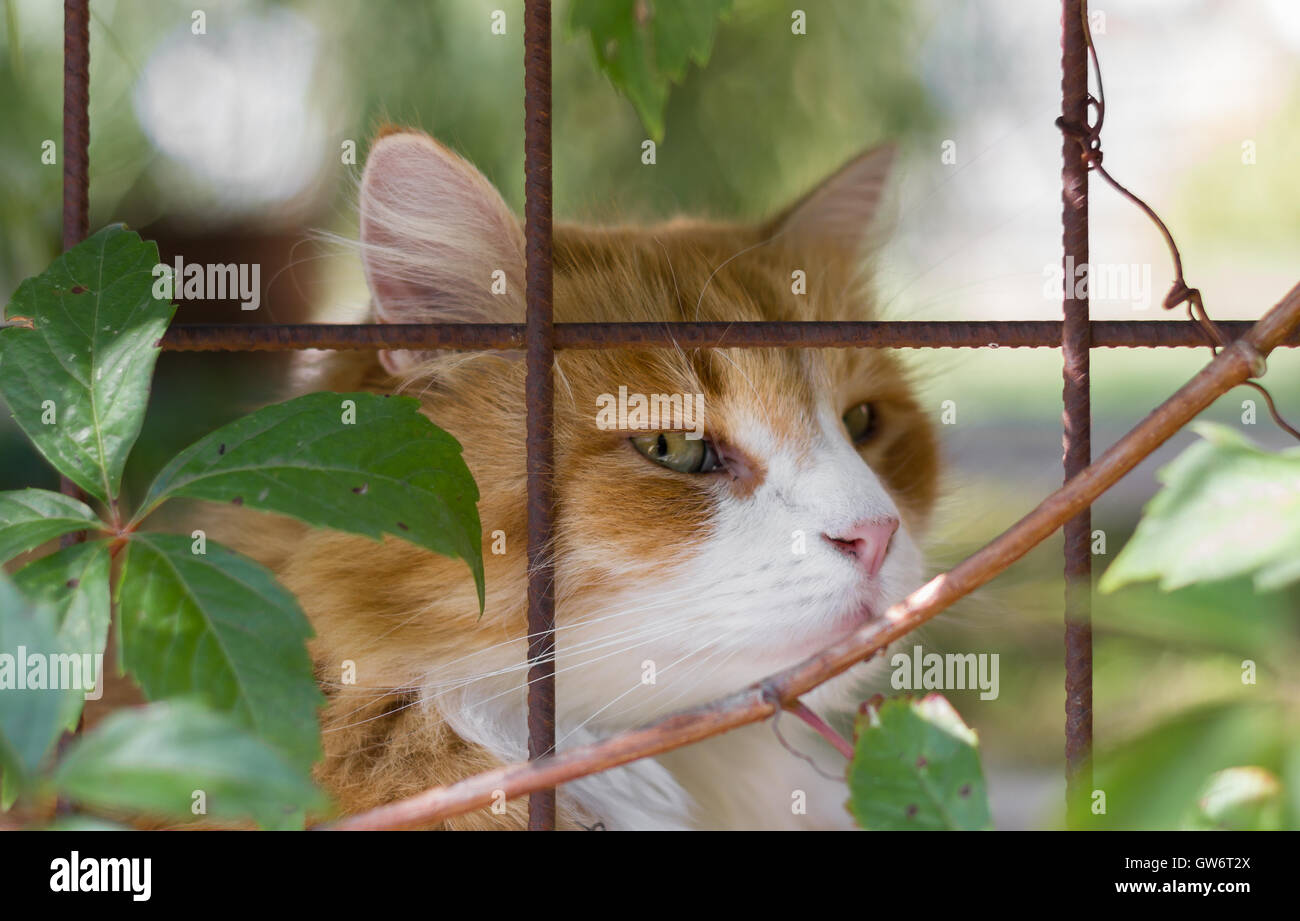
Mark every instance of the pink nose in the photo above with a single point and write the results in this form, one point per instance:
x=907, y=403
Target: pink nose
x=867, y=542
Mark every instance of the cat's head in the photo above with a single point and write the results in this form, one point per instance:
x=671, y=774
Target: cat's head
x=718, y=559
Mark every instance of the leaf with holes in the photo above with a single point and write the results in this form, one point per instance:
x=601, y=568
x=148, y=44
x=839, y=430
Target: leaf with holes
x=355, y=462
x=152, y=759
x=77, y=379
x=30, y=517
x=35, y=704
x=217, y=626
x=643, y=48
x=916, y=767
x=1228, y=508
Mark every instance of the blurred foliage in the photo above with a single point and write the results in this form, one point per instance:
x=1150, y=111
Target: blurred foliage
x=645, y=47
x=1262, y=210
x=1228, y=510
x=739, y=139
x=1197, y=680
x=739, y=142
x=1155, y=781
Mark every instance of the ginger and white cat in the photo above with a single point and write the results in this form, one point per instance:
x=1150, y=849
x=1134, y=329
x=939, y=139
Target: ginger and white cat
x=711, y=563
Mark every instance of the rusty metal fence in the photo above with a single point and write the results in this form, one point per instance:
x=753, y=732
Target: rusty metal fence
x=1076, y=335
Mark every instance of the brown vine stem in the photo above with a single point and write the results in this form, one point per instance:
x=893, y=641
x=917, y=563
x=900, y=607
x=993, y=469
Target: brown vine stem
x=1233, y=365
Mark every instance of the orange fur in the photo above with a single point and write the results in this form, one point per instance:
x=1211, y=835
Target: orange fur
x=402, y=614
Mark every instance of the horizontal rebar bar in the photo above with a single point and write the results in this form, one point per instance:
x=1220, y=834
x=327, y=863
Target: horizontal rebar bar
x=961, y=334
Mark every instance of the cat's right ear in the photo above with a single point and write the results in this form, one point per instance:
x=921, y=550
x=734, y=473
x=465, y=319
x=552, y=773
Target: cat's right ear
x=438, y=242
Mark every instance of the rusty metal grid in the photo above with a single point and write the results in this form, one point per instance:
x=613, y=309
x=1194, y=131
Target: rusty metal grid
x=1076, y=335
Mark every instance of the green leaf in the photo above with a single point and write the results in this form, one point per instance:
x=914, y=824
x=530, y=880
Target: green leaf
x=218, y=627
x=154, y=759
x=73, y=585
x=645, y=47
x=87, y=362
x=1228, y=508
x=30, y=517
x=1239, y=798
x=388, y=470
x=32, y=715
x=916, y=766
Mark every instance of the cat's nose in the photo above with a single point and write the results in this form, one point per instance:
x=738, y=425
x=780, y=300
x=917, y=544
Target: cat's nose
x=867, y=542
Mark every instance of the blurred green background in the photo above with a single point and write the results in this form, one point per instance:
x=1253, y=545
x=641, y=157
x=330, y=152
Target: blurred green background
x=232, y=146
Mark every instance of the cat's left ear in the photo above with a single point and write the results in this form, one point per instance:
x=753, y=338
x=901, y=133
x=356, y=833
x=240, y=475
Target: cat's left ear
x=841, y=210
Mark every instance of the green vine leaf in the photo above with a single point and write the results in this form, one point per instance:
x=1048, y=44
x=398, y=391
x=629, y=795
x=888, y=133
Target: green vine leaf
x=644, y=48
x=30, y=517
x=77, y=380
x=218, y=627
x=155, y=759
x=31, y=716
x=1228, y=508
x=356, y=462
x=916, y=767
x=73, y=586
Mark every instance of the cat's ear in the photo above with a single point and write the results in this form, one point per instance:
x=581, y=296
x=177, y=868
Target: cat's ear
x=841, y=210
x=438, y=242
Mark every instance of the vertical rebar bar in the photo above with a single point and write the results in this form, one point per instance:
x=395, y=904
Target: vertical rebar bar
x=76, y=206
x=540, y=345
x=76, y=121
x=1077, y=416
x=76, y=154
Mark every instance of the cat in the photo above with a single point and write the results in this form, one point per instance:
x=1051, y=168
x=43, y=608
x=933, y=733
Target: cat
x=686, y=568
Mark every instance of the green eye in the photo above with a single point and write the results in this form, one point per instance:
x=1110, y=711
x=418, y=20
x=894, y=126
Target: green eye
x=861, y=423
x=677, y=452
